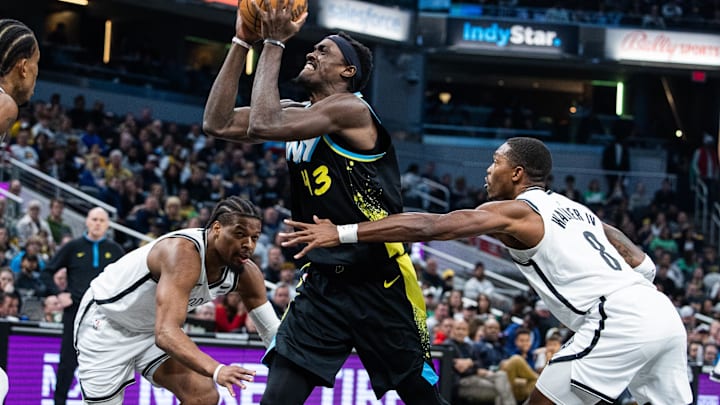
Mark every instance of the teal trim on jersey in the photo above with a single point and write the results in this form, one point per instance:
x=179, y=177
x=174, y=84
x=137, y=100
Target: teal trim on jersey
x=429, y=374
x=351, y=155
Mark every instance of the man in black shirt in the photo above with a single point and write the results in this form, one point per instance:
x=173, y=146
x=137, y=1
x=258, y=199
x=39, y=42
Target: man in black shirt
x=84, y=258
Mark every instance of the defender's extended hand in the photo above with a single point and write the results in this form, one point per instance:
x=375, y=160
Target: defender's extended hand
x=234, y=375
x=322, y=233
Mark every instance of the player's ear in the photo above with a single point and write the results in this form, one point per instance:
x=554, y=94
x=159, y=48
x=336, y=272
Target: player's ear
x=349, y=71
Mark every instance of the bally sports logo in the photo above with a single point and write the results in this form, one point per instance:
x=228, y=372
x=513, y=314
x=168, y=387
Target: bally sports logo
x=517, y=34
x=663, y=46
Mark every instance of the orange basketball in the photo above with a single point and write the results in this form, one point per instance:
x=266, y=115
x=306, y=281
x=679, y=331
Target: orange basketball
x=252, y=20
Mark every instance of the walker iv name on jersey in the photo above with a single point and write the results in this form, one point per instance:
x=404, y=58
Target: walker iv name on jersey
x=562, y=216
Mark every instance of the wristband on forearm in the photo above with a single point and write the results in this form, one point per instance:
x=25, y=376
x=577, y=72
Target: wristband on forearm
x=646, y=268
x=265, y=321
x=347, y=233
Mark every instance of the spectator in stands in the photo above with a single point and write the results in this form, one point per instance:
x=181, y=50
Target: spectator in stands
x=478, y=284
x=594, y=196
x=115, y=167
x=653, y=19
x=430, y=274
x=448, y=283
x=149, y=215
x=705, y=166
x=150, y=172
x=22, y=151
x=287, y=276
x=20, y=55
x=665, y=198
x=519, y=367
x=280, y=298
x=544, y=354
x=52, y=311
x=10, y=306
x=491, y=348
x=60, y=167
x=709, y=260
x=710, y=354
x=58, y=228
x=275, y=262
x=664, y=241
x=29, y=280
x=32, y=247
x=484, y=307
x=198, y=185
x=672, y=11
x=546, y=321
x=473, y=381
x=442, y=311
x=230, y=314
x=454, y=298
x=570, y=191
x=31, y=224
x=616, y=160
x=7, y=249
x=172, y=212
x=7, y=280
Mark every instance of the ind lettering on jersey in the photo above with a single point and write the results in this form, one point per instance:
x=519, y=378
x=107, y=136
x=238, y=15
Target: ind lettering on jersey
x=300, y=151
x=562, y=216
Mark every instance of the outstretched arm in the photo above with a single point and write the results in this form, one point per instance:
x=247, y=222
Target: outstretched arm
x=220, y=118
x=512, y=218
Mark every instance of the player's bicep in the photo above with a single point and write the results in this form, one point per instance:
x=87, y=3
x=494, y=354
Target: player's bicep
x=176, y=264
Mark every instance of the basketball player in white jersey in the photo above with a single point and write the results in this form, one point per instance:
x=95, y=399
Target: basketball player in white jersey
x=132, y=316
x=592, y=277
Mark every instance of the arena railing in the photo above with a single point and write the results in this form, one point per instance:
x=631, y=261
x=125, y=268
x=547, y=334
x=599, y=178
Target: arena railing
x=77, y=202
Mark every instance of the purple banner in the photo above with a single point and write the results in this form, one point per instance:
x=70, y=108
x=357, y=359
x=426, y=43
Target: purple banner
x=33, y=361
x=708, y=392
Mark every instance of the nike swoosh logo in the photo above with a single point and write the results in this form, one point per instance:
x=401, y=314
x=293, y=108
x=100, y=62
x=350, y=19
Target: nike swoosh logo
x=388, y=284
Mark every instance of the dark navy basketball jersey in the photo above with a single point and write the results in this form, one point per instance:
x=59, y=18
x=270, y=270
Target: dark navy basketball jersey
x=331, y=180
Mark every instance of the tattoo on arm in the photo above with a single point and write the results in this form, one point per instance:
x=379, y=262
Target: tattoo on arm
x=627, y=249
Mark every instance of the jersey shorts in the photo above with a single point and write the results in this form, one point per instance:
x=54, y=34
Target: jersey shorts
x=105, y=370
x=632, y=338
x=337, y=309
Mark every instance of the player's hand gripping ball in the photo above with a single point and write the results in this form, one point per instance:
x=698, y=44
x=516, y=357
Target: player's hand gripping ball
x=251, y=19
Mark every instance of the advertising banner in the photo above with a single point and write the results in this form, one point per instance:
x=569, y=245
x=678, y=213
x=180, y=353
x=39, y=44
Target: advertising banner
x=366, y=18
x=33, y=361
x=664, y=47
x=514, y=37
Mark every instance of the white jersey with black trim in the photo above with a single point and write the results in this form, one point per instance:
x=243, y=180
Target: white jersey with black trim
x=574, y=264
x=125, y=291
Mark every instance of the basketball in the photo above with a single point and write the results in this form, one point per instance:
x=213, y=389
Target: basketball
x=252, y=20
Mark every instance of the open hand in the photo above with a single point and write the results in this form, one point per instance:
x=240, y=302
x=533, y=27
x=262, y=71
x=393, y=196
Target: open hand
x=322, y=233
x=234, y=375
x=277, y=21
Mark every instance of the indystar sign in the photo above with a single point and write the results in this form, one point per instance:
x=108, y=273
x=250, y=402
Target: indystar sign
x=666, y=47
x=512, y=36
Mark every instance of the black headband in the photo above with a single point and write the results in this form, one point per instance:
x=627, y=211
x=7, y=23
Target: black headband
x=350, y=55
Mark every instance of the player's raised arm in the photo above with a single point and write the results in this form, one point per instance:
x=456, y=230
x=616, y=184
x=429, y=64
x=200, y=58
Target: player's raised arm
x=220, y=118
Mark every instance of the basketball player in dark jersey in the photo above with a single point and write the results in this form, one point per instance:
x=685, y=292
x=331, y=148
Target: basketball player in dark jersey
x=342, y=166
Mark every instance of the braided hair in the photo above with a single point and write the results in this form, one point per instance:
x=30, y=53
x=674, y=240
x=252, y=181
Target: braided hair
x=230, y=210
x=17, y=41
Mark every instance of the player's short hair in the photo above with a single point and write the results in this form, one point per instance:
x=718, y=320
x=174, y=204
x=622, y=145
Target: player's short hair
x=230, y=210
x=366, y=62
x=532, y=155
x=17, y=41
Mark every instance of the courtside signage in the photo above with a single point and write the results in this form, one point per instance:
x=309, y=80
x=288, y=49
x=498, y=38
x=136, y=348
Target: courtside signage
x=365, y=18
x=664, y=47
x=33, y=361
x=520, y=38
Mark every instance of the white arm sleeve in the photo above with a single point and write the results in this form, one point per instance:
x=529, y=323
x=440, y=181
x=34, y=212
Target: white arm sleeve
x=265, y=321
x=646, y=268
